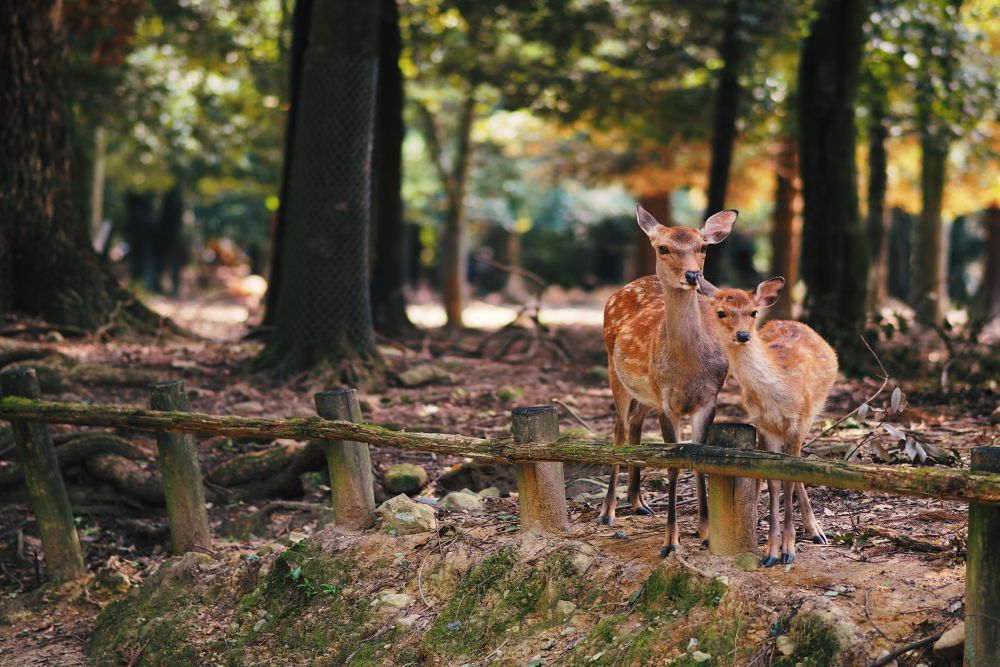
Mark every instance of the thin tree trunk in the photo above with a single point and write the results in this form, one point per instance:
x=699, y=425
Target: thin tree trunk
x=58, y=274
x=724, y=117
x=323, y=309
x=991, y=274
x=878, y=220
x=97, y=183
x=786, y=230
x=834, y=249
x=387, y=279
x=928, y=291
x=453, y=241
x=300, y=42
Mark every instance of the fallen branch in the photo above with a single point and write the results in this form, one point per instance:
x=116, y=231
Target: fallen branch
x=907, y=541
x=892, y=655
x=78, y=449
x=128, y=477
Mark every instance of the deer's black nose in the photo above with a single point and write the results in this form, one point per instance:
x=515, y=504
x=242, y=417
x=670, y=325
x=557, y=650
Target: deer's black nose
x=742, y=336
x=692, y=277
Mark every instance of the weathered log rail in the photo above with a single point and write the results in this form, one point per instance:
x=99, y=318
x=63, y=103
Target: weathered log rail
x=943, y=483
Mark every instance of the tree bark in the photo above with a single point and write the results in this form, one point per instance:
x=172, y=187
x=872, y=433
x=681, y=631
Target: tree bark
x=724, y=117
x=387, y=279
x=58, y=274
x=834, y=249
x=300, y=41
x=928, y=277
x=323, y=308
x=453, y=286
x=878, y=220
x=786, y=228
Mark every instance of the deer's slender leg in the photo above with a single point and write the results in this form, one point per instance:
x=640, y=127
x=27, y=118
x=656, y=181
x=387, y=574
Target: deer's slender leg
x=773, y=557
x=623, y=405
x=671, y=538
x=701, y=421
x=809, y=521
x=788, y=527
x=637, y=414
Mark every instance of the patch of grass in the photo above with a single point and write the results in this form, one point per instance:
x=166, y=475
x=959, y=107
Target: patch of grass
x=816, y=643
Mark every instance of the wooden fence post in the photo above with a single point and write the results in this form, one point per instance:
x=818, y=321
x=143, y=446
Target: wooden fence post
x=541, y=486
x=46, y=491
x=349, y=463
x=982, y=573
x=732, y=501
x=181, y=473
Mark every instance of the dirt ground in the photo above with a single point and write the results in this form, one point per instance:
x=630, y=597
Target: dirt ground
x=895, y=565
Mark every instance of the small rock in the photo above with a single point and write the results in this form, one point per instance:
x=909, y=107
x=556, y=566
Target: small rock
x=455, y=625
x=951, y=645
x=596, y=656
x=692, y=644
x=995, y=415
x=581, y=561
x=248, y=406
x=745, y=561
x=406, y=516
x=568, y=630
x=565, y=607
x=295, y=537
x=598, y=373
x=892, y=663
x=424, y=374
x=489, y=492
x=619, y=535
x=259, y=625
x=396, y=600
x=465, y=502
x=701, y=656
x=367, y=403
x=408, y=621
x=509, y=393
x=785, y=645
x=831, y=594
x=405, y=478
x=53, y=337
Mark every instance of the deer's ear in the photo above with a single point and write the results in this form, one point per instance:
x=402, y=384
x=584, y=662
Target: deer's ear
x=706, y=288
x=646, y=220
x=767, y=293
x=717, y=227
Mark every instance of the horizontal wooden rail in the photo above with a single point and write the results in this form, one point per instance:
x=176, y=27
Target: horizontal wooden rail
x=945, y=483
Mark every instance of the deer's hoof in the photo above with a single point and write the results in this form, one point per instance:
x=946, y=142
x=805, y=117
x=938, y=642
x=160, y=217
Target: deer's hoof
x=787, y=559
x=769, y=561
x=819, y=539
x=669, y=549
x=705, y=543
x=605, y=521
x=642, y=510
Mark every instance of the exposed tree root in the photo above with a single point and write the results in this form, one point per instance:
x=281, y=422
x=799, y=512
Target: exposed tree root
x=126, y=476
x=79, y=449
x=271, y=472
x=258, y=523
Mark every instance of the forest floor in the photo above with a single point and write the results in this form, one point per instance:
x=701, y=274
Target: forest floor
x=894, y=565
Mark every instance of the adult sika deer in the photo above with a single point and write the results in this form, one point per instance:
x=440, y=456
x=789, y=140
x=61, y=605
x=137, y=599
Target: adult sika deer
x=664, y=355
x=785, y=371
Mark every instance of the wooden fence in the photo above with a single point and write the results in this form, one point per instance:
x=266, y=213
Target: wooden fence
x=536, y=449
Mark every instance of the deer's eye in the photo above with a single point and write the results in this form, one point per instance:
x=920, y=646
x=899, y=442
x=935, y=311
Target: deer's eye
x=663, y=250
x=721, y=315
x=753, y=314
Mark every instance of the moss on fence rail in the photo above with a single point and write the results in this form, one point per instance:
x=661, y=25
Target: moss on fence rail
x=943, y=483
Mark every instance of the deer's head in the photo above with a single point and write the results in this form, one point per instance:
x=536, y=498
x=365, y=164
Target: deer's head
x=680, y=251
x=736, y=310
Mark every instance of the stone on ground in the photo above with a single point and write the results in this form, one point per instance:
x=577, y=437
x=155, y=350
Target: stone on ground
x=406, y=516
x=462, y=501
x=405, y=478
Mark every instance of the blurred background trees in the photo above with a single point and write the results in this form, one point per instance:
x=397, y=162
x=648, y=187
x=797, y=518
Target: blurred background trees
x=858, y=139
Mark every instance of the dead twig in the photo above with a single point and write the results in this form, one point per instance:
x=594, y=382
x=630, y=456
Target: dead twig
x=575, y=415
x=892, y=655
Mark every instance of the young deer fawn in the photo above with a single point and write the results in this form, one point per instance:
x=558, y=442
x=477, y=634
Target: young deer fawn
x=785, y=371
x=663, y=355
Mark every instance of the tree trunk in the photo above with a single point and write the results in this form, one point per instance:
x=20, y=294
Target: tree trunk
x=878, y=219
x=724, y=117
x=786, y=230
x=387, y=279
x=928, y=286
x=643, y=256
x=900, y=249
x=323, y=308
x=991, y=274
x=453, y=241
x=52, y=267
x=834, y=250
x=300, y=41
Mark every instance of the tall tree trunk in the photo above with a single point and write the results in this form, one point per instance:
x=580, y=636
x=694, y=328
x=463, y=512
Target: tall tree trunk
x=786, y=230
x=323, y=309
x=878, y=220
x=453, y=241
x=97, y=184
x=643, y=257
x=991, y=273
x=900, y=249
x=724, y=117
x=928, y=290
x=300, y=41
x=50, y=267
x=835, y=255
x=387, y=279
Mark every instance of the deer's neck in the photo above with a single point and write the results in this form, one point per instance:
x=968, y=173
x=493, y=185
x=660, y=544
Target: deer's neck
x=752, y=366
x=683, y=319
